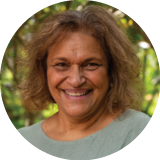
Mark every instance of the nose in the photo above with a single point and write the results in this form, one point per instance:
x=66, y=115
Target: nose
x=75, y=77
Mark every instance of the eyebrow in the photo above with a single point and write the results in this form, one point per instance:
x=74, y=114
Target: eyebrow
x=86, y=60
x=59, y=58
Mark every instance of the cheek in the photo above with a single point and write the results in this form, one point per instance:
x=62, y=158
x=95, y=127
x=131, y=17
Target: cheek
x=50, y=77
x=99, y=78
x=53, y=78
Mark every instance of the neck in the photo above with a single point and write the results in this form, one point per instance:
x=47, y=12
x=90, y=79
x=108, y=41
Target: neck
x=65, y=128
x=70, y=124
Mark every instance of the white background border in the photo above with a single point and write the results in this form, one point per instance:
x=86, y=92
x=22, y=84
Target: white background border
x=14, y=14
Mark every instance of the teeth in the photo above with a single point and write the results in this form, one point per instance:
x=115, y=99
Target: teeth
x=77, y=94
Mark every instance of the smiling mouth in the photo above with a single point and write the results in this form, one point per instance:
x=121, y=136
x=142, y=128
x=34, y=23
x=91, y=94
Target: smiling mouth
x=77, y=94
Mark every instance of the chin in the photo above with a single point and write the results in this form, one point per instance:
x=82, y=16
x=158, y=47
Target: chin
x=76, y=111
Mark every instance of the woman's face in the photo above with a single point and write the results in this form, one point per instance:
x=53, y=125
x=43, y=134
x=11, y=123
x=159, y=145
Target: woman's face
x=77, y=75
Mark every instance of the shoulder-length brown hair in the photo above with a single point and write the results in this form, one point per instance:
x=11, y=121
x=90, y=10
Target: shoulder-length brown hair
x=123, y=64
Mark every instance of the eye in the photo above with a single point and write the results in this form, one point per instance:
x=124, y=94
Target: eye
x=91, y=66
x=61, y=66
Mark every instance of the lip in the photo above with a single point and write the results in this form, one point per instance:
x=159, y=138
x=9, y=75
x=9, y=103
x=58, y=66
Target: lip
x=77, y=91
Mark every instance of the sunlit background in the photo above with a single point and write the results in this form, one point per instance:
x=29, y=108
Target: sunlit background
x=10, y=75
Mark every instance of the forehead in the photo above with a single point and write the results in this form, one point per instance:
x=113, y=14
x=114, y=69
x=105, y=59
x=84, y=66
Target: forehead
x=76, y=46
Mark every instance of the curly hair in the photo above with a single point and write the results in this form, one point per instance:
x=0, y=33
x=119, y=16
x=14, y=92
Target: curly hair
x=126, y=87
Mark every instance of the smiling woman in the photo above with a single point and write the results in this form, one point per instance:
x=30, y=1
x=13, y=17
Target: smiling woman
x=77, y=75
x=83, y=62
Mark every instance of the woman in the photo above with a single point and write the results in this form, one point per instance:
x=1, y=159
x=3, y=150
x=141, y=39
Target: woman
x=83, y=62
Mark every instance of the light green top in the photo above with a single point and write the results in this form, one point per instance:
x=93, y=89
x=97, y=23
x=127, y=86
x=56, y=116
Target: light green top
x=110, y=139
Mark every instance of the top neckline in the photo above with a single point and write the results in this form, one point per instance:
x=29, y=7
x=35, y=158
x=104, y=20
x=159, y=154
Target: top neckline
x=84, y=138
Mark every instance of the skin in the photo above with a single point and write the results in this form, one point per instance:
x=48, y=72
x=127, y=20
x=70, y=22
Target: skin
x=77, y=64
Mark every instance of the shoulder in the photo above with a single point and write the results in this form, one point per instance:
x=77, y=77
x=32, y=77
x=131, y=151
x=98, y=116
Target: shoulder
x=31, y=132
x=135, y=118
x=133, y=123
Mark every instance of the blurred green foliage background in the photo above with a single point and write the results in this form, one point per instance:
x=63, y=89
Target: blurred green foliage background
x=10, y=76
